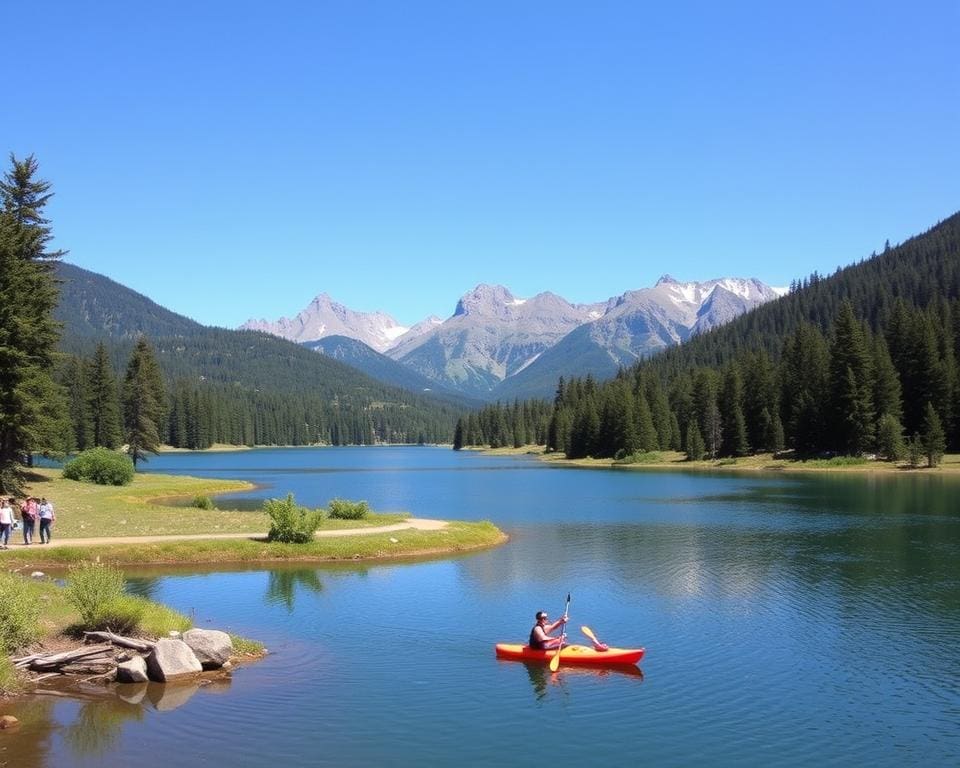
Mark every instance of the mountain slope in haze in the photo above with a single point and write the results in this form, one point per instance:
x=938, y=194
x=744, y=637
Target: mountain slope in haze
x=637, y=325
x=496, y=345
x=93, y=307
x=263, y=385
x=358, y=355
x=919, y=271
x=325, y=317
x=492, y=335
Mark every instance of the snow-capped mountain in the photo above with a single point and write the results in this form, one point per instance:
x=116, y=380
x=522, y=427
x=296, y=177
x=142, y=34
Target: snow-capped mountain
x=490, y=336
x=498, y=345
x=325, y=317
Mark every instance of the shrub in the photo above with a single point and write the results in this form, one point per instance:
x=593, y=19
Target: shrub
x=202, y=502
x=101, y=466
x=9, y=683
x=94, y=589
x=340, y=509
x=121, y=615
x=290, y=523
x=19, y=614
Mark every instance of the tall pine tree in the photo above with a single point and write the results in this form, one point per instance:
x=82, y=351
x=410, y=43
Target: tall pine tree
x=143, y=402
x=32, y=406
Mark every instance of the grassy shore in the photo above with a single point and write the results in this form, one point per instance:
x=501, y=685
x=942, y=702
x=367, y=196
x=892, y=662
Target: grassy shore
x=675, y=460
x=85, y=510
x=457, y=537
x=56, y=624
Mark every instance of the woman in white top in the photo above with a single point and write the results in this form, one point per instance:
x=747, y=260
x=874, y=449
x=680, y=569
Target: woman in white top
x=6, y=521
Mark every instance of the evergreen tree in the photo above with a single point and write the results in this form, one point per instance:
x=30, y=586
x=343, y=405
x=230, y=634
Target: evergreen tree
x=887, y=393
x=74, y=381
x=695, y=446
x=853, y=424
x=890, y=444
x=934, y=440
x=760, y=401
x=31, y=419
x=143, y=402
x=585, y=430
x=734, y=429
x=458, y=435
x=103, y=405
x=804, y=374
x=646, y=431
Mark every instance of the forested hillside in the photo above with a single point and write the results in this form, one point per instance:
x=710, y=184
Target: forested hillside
x=863, y=361
x=237, y=387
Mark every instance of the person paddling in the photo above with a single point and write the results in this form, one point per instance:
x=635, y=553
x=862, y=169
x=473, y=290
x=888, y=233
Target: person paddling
x=540, y=637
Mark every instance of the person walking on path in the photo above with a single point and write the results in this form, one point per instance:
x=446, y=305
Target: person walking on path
x=46, y=520
x=6, y=521
x=28, y=514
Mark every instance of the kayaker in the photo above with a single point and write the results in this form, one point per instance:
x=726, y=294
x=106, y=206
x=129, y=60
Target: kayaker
x=540, y=637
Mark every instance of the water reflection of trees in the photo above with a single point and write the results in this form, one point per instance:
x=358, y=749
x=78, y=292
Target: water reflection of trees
x=858, y=532
x=282, y=585
x=143, y=586
x=99, y=725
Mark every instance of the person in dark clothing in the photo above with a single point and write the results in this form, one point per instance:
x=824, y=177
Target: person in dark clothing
x=540, y=636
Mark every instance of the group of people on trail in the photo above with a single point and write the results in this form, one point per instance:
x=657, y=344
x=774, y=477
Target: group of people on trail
x=31, y=512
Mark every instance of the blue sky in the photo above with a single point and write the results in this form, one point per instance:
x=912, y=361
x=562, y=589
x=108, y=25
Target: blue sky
x=233, y=159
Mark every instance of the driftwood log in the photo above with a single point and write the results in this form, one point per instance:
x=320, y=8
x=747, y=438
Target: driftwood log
x=125, y=642
x=55, y=662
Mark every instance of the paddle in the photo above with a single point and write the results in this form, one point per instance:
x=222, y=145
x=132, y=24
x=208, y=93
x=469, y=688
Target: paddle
x=555, y=661
x=596, y=643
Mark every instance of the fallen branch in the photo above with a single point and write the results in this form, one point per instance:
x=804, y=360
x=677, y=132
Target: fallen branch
x=56, y=660
x=126, y=642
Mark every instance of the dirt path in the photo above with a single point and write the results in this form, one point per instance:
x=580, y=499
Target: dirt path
x=417, y=523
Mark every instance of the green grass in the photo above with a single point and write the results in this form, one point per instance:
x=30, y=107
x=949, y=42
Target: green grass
x=245, y=647
x=837, y=462
x=456, y=537
x=58, y=617
x=640, y=457
x=85, y=510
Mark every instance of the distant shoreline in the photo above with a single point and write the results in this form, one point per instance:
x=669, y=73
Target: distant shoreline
x=677, y=461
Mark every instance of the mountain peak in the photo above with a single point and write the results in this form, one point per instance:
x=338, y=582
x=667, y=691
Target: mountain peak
x=486, y=299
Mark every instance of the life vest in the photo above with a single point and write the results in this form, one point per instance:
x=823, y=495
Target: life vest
x=534, y=642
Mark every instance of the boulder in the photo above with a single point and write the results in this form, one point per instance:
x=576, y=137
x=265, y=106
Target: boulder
x=170, y=659
x=8, y=721
x=132, y=671
x=211, y=646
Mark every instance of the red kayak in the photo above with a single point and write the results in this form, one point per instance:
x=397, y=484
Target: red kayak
x=571, y=654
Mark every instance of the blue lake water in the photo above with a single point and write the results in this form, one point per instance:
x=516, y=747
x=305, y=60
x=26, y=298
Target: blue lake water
x=788, y=620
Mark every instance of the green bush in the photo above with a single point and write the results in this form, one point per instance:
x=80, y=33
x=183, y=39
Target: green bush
x=19, y=614
x=290, y=523
x=94, y=589
x=202, y=502
x=340, y=509
x=101, y=466
x=9, y=683
x=121, y=615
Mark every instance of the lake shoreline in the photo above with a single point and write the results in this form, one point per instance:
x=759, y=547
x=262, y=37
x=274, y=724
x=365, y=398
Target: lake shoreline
x=675, y=461
x=129, y=525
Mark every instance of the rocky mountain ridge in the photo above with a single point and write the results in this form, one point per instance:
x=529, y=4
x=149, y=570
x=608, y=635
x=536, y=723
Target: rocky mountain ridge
x=493, y=336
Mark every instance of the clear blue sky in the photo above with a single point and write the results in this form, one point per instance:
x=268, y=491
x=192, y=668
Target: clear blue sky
x=234, y=159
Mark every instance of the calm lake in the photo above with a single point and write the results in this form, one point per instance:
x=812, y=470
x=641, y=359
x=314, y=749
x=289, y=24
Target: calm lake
x=788, y=620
